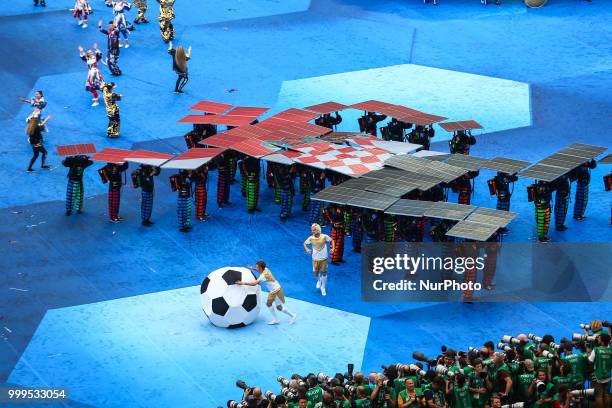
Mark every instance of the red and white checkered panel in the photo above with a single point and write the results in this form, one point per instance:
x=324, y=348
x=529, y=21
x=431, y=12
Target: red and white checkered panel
x=76, y=149
x=211, y=107
x=347, y=160
x=460, y=125
x=326, y=107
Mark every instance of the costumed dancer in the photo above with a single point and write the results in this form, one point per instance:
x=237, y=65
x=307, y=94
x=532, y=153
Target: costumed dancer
x=285, y=175
x=541, y=194
x=371, y=226
x=252, y=169
x=368, y=122
x=272, y=170
x=200, y=177
x=347, y=221
x=335, y=215
x=463, y=186
x=232, y=157
x=142, y=11
x=329, y=121
x=439, y=229
x=74, y=192
x=94, y=79
x=562, y=189
x=111, y=174
x=223, y=180
x=179, y=65
x=119, y=9
x=500, y=187
x=166, y=15
x=410, y=229
x=38, y=103
x=316, y=209
x=199, y=133
x=42, y=3
x=390, y=227
x=34, y=130
x=461, y=142
x=81, y=11
x=181, y=183
x=357, y=229
x=306, y=184
x=112, y=110
x=582, y=175
x=491, y=250
x=143, y=178
x=395, y=130
x=421, y=135
x=112, y=42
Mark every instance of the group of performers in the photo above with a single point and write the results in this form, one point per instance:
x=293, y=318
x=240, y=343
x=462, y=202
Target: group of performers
x=541, y=193
x=117, y=28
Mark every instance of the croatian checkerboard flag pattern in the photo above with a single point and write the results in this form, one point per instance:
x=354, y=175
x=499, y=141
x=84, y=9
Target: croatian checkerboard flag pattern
x=346, y=159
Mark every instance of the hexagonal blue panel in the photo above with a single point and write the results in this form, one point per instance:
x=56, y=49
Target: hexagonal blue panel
x=160, y=347
x=498, y=104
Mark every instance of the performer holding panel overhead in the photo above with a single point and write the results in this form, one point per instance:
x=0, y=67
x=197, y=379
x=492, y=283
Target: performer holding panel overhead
x=328, y=121
x=368, y=122
x=318, y=242
x=461, y=142
x=143, y=178
x=316, y=210
x=223, y=180
x=421, y=135
x=200, y=177
x=582, y=176
x=562, y=189
x=112, y=174
x=335, y=215
x=181, y=183
x=500, y=187
x=74, y=193
x=252, y=170
x=275, y=292
x=541, y=195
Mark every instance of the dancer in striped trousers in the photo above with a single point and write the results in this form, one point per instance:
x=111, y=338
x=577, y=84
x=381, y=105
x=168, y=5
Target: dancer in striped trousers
x=112, y=174
x=143, y=178
x=582, y=176
x=74, y=192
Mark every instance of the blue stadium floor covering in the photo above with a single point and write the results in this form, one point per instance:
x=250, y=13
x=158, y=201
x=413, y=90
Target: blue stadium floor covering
x=112, y=312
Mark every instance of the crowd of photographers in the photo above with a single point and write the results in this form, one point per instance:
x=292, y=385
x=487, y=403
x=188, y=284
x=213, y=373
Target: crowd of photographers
x=524, y=371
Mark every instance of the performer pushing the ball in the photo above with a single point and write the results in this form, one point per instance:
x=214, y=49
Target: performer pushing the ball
x=275, y=292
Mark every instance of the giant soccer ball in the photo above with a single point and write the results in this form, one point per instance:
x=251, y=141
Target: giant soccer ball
x=227, y=304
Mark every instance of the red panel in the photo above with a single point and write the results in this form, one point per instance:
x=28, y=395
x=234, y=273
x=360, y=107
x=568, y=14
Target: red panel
x=112, y=155
x=211, y=107
x=296, y=115
x=201, y=153
x=223, y=140
x=216, y=120
x=252, y=147
x=460, y=125
x=247, y=111
x=76, y=149
x=327, y=107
